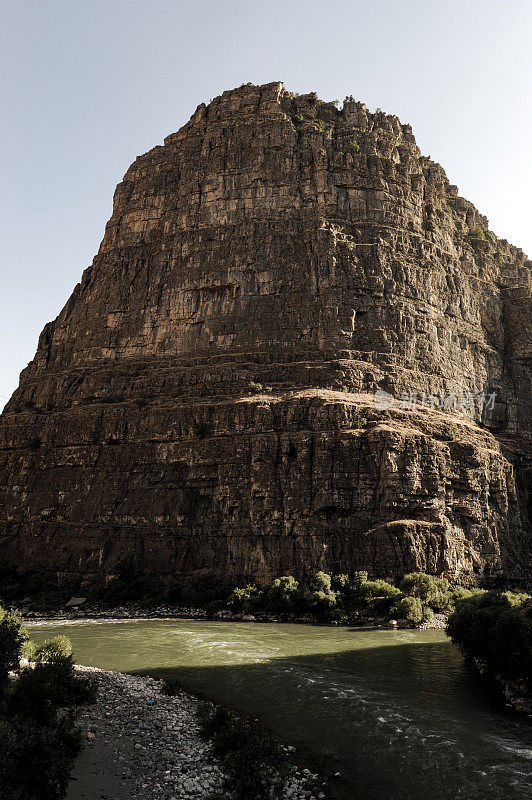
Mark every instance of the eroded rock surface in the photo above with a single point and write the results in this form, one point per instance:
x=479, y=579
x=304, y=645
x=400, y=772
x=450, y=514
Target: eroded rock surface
x=205, y=400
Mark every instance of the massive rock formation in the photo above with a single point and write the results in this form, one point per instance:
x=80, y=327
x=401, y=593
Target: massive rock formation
x=205, y=401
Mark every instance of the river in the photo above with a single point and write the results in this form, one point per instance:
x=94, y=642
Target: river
x=395, y=711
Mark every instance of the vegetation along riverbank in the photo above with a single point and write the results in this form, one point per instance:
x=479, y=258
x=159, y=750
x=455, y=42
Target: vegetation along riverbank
x=142, y=740
x=494, y=632
x=418, y=599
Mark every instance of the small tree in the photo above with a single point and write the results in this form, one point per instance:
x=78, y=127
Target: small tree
x=427, y=587
x=488, y=627
x=409, y=608
x=246, y=599
x=282, y=594
x=13, y=635
x=320, y=596
x=380, y=595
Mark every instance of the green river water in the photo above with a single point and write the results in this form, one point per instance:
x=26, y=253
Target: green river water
x=394, y=710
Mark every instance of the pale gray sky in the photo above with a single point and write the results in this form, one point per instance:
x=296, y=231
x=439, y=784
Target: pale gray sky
x=87, y=85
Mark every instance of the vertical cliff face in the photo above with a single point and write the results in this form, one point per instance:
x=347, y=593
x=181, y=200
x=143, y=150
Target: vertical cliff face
x=205, y=402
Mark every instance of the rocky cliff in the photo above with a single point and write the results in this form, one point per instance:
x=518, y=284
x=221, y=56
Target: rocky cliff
x=205, y=401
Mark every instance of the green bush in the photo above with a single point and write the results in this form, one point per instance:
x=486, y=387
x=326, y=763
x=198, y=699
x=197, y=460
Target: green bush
x=248, y=599
x=357, y=581
x=349, y=589
x=259, y=388
x=488, y=627
x=37, y=761
x=58, y=646
x=28, y=650
x=478, y=232
x=460, y=593
x=282, y=595
x=52, y=683
x=340, y=583
x=37, y=722
x=428, y=588
x=409, y=608
x=379, y=595
x=517, y=598
x=13, y=635
x=255, y=761
x=320, y=597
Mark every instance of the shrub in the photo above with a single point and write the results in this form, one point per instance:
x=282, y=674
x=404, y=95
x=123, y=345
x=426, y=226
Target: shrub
x=409, y=608
x=443, y=603
x=488, y=627
x=28, y=650
x=258, y=388
x=460, y=593
x=282, y=594
x=13, y=635
x=58, y=646
x=380, y=595
x=52, y=683
x=517, y=598
x=340, y=583
x=351, y=591
x=36, y=761
x=37, y=724
x=358, y=579
x=478, y=233
x=428, y=588
x=247, y=599
x=256, y=762
x=320, y=597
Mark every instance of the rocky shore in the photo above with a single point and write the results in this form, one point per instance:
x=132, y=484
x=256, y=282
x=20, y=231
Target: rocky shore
x=516, y=693
x=142, y=744
x=357, y=619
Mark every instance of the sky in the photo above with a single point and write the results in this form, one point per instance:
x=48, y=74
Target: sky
x=86, y=86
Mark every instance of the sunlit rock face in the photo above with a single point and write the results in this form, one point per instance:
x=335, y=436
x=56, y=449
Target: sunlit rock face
x=205, y=401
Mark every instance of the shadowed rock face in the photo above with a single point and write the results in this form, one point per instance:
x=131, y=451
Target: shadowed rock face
x=279, y=241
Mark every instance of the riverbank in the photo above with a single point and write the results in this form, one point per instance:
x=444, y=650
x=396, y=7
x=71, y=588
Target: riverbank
x=516, y=693
x=393, y=711
x=142, y=744
x=138, y=612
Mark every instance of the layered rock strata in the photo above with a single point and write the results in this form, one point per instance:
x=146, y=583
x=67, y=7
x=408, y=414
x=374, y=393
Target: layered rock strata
x=205, y=401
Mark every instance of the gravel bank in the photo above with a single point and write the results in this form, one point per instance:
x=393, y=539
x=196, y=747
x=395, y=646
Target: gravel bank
x=92, y=613
x=141, y=744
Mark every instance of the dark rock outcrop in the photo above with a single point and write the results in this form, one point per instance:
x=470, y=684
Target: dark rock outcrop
x=205, y=400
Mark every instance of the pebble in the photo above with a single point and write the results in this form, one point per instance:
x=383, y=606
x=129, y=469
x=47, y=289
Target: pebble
x=169, y=759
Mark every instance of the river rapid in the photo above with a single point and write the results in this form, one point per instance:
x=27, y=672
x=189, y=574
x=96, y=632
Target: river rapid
x=393, y=710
